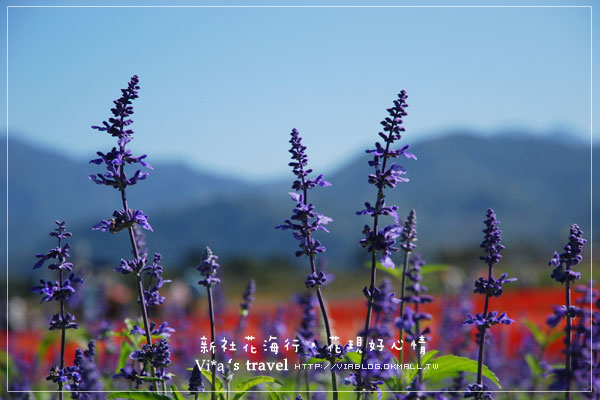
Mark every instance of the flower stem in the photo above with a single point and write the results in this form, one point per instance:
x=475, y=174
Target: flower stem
x=482, y=334
x=568, y=339
x=63, y=335
x=313, y=268
x=418, y=329
x=213, y=365
x=378, y=206
x=140, y=286
x=402, y=290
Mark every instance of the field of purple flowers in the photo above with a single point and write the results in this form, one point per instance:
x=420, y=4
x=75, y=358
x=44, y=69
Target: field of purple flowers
x=409, y=345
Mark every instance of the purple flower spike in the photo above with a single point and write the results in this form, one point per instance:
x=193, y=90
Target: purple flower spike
x=305, y=221
x=61, y=291
x=575, y=369
x=381, y=240
x=489, y=287
x=409, y=232
x=117, y=126
x=248, y=297
x=208, y=268
x=195, y=383
x=117, y=175
x=492, y=242
x=570, y=258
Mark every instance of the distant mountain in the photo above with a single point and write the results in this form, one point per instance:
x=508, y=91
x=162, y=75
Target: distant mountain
x=537, y=186
x=44, y=186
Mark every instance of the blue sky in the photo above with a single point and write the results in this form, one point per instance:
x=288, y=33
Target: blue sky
x=222, y=87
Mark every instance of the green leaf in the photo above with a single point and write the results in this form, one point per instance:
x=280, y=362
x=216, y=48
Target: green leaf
x=138, y=396
x=539, y=336
x=395, y=272
x=274, y=394
x=448, y=366
x=554, y=336
x=176, y=393
x=424, y=360
x=534, y=365
x=248, y=384
x=314, y=360
x=123, y=356
x=353, y=357
x=45, y=343
x=428, y=356
x=427, y=269
x=218, y=381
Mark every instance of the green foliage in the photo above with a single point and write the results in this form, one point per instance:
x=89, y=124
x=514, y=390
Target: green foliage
x=353, y=357
x=533, y=364
x=248, y=384
x=218, y=382
x=274, y=394
x=543, y=339
x=123, y=355
x=80, y=336
x=134, y=395
x=412, y=373
x=397, y=272
x=449, y=366
x=176, y=394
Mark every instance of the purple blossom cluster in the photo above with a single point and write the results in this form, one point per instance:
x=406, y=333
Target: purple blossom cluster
x=382, y=241
x=304, y=223
x=571, y=256
x=150, y=354
x=90, y=382
x=386, y=176
x=411, y=320
x=115, y=161
x=61, y=290
x=564, y=274
x=490, y=287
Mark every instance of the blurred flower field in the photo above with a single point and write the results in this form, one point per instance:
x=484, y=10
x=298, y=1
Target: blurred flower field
x=390, y=330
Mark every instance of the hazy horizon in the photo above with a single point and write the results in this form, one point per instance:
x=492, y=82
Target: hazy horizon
x=282, y=172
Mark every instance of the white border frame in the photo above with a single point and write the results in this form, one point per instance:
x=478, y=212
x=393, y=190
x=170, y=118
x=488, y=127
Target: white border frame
x=318, y=6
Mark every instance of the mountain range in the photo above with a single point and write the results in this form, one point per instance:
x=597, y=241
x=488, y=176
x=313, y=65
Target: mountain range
x=538, y=186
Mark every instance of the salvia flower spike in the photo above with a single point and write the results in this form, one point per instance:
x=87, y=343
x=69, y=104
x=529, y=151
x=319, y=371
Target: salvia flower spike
x=56, y=259
x=304, y=223
x=408, y=237
x=412, y=320
x=381, y=241
x=563, y=273
x=126, y=219
x=90, y=378
x=208, y=269
x=490, y=287
x=248, y=299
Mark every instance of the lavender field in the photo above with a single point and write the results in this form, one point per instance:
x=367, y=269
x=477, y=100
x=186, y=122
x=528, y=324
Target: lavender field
x=146, y=348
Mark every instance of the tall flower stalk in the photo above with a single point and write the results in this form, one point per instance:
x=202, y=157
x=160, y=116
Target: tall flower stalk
x=91, y=381
x=382, y=240
x=490, y=287
x=564, y=274
x=60, y=291
x=407, y=239
x=306, y=332
x=304, y=223
x=413, y=318
x=115, y=176
x=208, y=268
x=248, y=298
